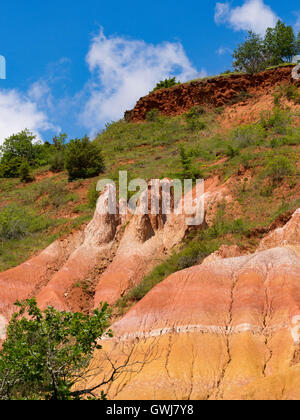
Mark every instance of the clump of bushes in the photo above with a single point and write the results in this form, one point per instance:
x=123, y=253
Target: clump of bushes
x=152, y=115
x=279, y=168
x=24, y=173
x=93, y=195
x=17, y=222
x=166, y=84
x=278, y=121
x=83, y=159
x=248, y=135
x=193, y=118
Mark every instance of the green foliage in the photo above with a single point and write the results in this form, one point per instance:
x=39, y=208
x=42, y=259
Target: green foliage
x=59, y=142
x=192, y=118
x=292, y=93
x=19, y=148
x=24, y=172
x=248, y=135
x=232, y=151
x=278, y=121
x=188, y=170
x=250, y=56
x=280, y=167
x=83, y=159
x=47, y=352
x=152, y=115
x=93, y=195
x=256, y=53
x=166, y=84
x=10, y=166
x=17, y=222
x=280, y=43
x=19, y=145
x=195, y=112
x=57, y=161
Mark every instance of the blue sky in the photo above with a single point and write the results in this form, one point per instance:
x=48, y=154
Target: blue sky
x=73, y=66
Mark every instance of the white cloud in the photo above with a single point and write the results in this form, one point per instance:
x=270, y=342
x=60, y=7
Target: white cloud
x=19, y=111
x=124, y=70
x=253, y=15
x=224, y=51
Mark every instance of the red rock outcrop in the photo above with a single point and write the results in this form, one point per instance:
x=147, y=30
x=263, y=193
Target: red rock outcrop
x=212, y=92
x=228, y=329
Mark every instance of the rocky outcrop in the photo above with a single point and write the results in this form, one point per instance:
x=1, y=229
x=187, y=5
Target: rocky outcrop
x=212, y=92
x=227, y=329
x=100, y=263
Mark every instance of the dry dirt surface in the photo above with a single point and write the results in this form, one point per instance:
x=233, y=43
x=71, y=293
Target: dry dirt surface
x=227, y=329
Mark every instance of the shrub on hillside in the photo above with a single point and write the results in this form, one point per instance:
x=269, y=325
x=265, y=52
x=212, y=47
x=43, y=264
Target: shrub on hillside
x=248, y=135
x=152, y=115
x=166, y=84
x=17, y=222
x=93, y=195
x=83, y=159
x=279, y=168
x=195, y=112
x=10, y=166
x=57, y=162
x=278, y=121
x=24, y=172
x=19, y=148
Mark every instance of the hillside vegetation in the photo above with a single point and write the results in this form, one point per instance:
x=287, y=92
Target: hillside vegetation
x=259, y=161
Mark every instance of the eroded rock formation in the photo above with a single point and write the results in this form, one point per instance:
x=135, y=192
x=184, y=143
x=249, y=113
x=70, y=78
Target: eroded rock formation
x=100, y=263
x=227, y=329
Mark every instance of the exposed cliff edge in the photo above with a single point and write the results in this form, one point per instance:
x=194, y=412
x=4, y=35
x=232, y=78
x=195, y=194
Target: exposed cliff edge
x=212, y=92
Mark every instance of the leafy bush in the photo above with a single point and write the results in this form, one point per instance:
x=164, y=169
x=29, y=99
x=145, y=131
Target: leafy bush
x=17, y=222
x=188, y=170
x=57, y=162
x=280, y=167
x=194, y=124
x=152, y=115
x=277, y=121
x=232, y=151
x=166, y=84
x=10, y=166
x=83, y=159
x=248, y=135
x=292, y=93
x=93, y=195
x=24, y=172
x=46, y=353
x=195, y=112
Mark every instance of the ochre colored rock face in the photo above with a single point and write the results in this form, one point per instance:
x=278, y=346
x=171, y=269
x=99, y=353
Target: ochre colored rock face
x=227, y=329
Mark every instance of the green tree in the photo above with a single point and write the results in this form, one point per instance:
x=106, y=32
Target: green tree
x=83, y=159
x=24, y=172
x=47, y=353
x=250, y=57
x=60, y=141
x=166, y=84
x=280, y=43
x=19, y=146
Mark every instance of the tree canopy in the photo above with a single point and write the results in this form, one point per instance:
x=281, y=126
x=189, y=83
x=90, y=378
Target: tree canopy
x=278, y=46
x=47, y=353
